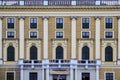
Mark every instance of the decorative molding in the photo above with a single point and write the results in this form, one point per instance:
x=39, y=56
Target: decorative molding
x=45, y=17
x=97, y=17
x=73, y=17
x=1, y=17
x=21, y=17
x=118, y=17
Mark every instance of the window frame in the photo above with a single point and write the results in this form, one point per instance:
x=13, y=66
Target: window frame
x=10, y=72
x=11, y=31
x=59, y=32
x=30, y=34
x=82, y=22
x=30, y=23
x=86, y=31
x=56, y=23
x=109, y=72
x=7, y=22
x=105, y=34
x=112, y=23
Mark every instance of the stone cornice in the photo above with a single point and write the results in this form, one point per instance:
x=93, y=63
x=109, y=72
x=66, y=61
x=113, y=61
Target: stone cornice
x=59, y=8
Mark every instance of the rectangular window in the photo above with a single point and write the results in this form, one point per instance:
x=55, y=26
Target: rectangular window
x=33, y=34
x=108, y=22
x=10, y=76
x=59, y=23
x=59, y=34
x=85, y=34
x=109, y=76
x=85, y=76
x=85, y=23
x=108, y=34
x=33, y=76
x=10, y=23
x=33, y=23
x=10, y=34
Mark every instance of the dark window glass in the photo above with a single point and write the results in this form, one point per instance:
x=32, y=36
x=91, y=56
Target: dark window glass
x=10, y=53
x=33, y=23
x=108, y=53
x=108, y=34
x=85, y=53
x=10, y=34
x=59, y=34
x=109, y=76
x=85, y=76
x=33, y=53
x=10, y=23
x=85, y=34
x=59, y=52
x=33, y=76
x=59, y=23
x=85, y=23
x=109, y=22
x=33, y=34
x=10, y=75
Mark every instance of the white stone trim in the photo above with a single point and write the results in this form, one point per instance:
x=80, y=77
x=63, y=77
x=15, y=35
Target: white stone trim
x=109, y=38
x=37, y=22
x=109, y=72
x=63, y=22
x=14, y=23
x=119, y=38
x=112, y=23
x=89, y=22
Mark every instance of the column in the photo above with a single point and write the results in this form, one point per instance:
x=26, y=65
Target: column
x=21, y=73
x=47, y=73
x=76, y=74
x=73, y=37
x=97, y=38
x=97, y=72
x=119, y=40
x=21, y=35
x=71, y=73
x=45, y=39
x=42, y=73
x=1, y=59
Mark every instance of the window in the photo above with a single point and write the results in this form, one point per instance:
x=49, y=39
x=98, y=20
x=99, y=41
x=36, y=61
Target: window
x=85, y=23
x=108, y=53
x=10, y=53
x=33, y=23
x=85, y=53
x=33, y=76
x=10, y=75
x=10, y=23
x=85, y=76
x=33, y=53
x=10, y=34
x=59, y=34
x=109, y=76
x=59, y=52
x=108, y=22
x=108, y=34
x=85, y=34
x=59, y=23
x=33, y=34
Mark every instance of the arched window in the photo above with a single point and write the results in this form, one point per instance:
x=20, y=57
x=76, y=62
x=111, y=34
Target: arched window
x=85, y=53
x=33, y=53
x=10, y=53
x=59, y=52
x=108, y=53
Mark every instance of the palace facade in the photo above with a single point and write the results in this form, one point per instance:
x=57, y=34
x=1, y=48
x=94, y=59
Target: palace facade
x=59, y=39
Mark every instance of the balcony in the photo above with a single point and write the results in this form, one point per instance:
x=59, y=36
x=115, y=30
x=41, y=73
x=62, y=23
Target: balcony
x=59, y=2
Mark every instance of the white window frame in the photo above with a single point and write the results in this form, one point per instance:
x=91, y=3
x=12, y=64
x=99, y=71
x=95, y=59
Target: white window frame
x=59, y=31
x=105, y=35
x=33, y=31
x=37, y=22
x=14, y=23
x=55, y=23
x=11, y=31
x=89, y=22
x=112, y=23
x=89, y=34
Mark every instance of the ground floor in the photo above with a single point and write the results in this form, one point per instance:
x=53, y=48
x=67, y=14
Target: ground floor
x=59, y=74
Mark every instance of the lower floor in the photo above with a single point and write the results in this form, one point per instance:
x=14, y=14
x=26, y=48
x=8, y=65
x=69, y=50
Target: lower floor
x=103, y=73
